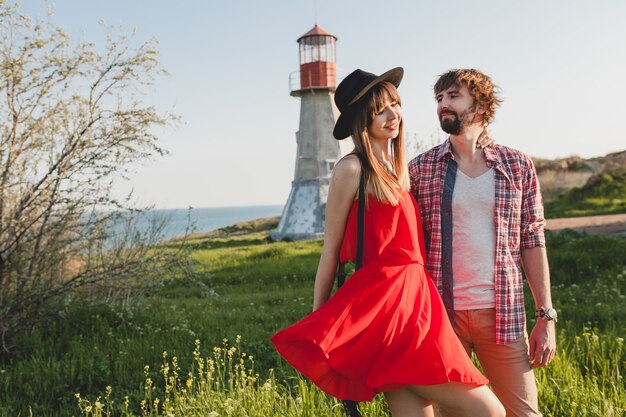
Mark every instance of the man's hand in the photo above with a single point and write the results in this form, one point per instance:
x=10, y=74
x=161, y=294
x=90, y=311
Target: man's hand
x=542, y=343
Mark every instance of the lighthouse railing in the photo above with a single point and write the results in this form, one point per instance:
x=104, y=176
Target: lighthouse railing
x=294, y=81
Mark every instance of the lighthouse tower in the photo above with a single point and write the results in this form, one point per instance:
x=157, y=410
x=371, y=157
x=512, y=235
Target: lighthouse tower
x=317, y=150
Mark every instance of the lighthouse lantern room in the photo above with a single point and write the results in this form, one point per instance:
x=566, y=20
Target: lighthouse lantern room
x=317, y=59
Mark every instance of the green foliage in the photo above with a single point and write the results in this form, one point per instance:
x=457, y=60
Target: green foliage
x=588, y=277
x=249, y=286
x=240, y=286
x=587, y=376
x=602, y=194
x=584, y=380
x=223, y=383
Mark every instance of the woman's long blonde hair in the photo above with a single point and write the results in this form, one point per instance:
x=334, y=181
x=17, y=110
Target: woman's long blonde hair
x=384, y=184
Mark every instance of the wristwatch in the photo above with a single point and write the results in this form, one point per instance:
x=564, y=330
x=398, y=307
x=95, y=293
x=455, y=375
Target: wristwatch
x=547, y=314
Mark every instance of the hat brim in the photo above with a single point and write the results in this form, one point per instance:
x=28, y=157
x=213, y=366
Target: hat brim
x=342, y=126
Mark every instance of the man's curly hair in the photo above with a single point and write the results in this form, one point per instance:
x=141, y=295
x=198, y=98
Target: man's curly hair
x=480, y=86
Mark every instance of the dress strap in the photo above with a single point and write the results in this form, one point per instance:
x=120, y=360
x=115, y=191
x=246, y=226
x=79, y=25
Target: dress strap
x=360, y=222
x=350, y=407
x=341, y=273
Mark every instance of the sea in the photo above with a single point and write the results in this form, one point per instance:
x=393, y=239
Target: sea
x=205, y=219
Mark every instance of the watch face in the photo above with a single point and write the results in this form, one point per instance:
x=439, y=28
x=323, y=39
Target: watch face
x=551, y=313
x=547, y=314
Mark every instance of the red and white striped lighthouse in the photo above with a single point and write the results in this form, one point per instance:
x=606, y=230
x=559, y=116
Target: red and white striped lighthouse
x=317, y=150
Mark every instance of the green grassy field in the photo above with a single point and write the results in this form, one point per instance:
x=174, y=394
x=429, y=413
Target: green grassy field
x=603, y=194
x=245, y=288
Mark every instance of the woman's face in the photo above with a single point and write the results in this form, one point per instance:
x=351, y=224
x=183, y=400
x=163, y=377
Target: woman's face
x=386, y=121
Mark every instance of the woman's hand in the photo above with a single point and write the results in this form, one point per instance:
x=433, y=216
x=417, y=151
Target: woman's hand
x=485, y=140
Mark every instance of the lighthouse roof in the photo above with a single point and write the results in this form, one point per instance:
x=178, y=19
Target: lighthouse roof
x=316, y=31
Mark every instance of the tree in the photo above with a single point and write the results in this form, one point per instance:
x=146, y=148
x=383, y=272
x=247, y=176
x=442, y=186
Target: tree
x=71, y=122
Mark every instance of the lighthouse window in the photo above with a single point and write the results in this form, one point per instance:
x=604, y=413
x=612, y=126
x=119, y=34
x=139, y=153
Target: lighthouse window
x=315, y=51
x=317, y=48
x=330, y=50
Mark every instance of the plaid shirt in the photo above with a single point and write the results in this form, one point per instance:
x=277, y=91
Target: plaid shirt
x=518, y=222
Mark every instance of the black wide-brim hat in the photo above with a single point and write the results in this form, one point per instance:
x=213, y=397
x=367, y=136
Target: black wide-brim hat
x=354, y=87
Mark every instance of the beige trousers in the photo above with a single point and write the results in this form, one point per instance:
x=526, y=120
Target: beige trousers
x=507, y=366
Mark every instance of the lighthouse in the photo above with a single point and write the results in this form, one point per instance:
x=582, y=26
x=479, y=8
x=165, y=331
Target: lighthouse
x=317, y=150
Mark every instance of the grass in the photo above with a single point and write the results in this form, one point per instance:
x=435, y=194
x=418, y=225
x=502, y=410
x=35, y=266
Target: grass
x=602, y=194
x=245, y=286
x=224, y=383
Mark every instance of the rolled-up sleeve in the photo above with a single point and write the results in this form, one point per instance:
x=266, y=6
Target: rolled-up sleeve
x=532, y=219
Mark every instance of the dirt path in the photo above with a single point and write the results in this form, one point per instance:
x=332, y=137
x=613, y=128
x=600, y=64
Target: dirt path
x=613, y=224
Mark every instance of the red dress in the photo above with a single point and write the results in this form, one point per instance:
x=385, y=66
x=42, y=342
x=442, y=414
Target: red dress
x=386, y=327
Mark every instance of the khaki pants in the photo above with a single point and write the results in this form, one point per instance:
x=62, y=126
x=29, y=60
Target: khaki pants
x=507, y=366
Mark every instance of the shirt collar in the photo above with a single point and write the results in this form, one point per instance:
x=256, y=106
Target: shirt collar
x=491, y=153
x=445, y=150
x=492, y=156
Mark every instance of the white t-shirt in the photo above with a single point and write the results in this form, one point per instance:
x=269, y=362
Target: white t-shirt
x=473, y=241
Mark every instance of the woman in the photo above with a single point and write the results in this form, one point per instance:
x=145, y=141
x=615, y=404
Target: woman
x=386, y=329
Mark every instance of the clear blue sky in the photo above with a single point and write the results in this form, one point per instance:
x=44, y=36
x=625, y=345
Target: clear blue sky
x=560, y=65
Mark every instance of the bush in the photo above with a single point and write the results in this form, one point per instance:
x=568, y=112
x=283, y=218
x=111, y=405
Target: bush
x=70, y=124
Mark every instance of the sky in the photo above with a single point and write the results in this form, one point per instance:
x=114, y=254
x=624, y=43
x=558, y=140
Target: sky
x=559, y=65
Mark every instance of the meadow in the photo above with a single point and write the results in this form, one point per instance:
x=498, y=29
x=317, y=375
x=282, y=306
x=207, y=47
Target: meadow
x=200, y=345
x=600, y=194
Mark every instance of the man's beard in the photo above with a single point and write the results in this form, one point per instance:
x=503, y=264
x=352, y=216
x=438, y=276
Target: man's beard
x=455, y=125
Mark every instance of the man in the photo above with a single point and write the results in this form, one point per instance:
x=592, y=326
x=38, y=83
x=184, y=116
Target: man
x=483, y=219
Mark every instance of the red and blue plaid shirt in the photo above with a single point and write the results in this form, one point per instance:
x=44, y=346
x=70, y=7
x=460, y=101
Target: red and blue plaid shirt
x=518, y=219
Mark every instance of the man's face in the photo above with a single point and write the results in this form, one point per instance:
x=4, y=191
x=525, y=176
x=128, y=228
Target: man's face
x=456, y=109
